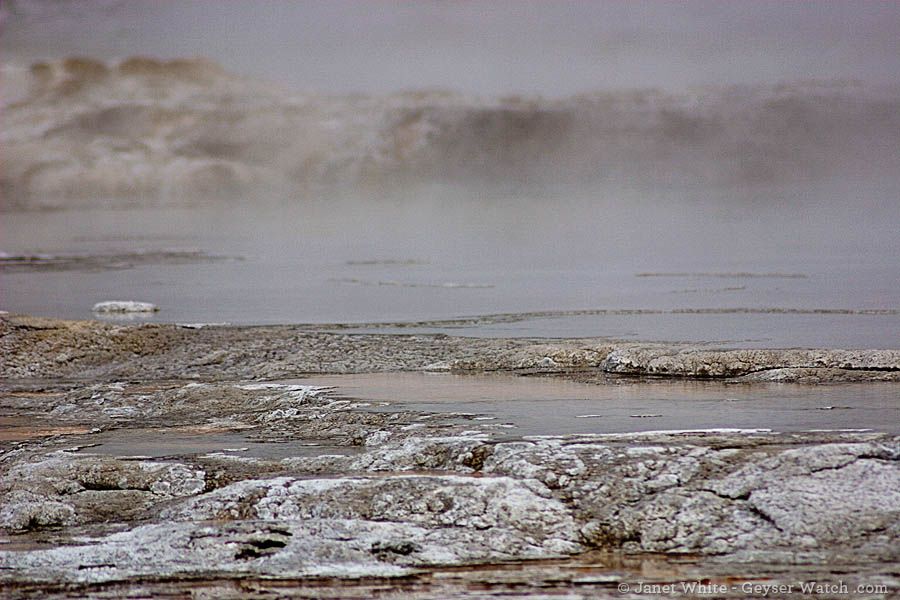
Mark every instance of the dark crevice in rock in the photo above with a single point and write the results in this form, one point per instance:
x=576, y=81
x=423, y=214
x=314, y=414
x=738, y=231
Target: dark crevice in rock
x=476, y=457
x=266, y=544
x=401, y=548
x=93, y=486
x=99, y=566
x=259, y=548
x=762, y=515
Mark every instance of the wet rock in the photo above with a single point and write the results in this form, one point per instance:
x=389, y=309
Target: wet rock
x=170, y=404
x=670, y=492
x=665, y=361
x=790, y=498
x=105, y=351
x=679, y=493
x=835, y=506
x=32, y=345
x=821, y=375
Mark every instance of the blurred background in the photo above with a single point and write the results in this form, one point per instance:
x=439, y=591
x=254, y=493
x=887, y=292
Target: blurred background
x=551, y=48
x=711, y=172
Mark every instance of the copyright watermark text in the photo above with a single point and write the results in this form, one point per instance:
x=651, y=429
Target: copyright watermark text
x=755, y=589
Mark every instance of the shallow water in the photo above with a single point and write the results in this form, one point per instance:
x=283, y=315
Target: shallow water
x=169, y=443
x=521, y=406
x=700, y=266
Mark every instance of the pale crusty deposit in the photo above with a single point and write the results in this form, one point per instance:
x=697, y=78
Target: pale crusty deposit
x=442, y=501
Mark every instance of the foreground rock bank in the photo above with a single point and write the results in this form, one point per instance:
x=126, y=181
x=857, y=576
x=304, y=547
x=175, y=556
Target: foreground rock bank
x=421, y=494
x=832, y=501
x=338, y=499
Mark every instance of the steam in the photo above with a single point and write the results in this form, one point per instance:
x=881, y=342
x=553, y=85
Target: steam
x=143, y=131
x=555, y=49
x=547, y=151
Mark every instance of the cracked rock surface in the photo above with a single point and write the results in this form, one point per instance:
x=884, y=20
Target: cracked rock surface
x=337, y=498
x=60, y=488
x=802, y=499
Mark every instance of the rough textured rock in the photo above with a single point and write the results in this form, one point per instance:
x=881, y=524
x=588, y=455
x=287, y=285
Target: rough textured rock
x=175, y=403
x=656, y=360
x=63, y=488
x=292, y=548
x=394, y=493
x=660, y=492
x=833, y=498
x=33, y=346
x=436, y=501
x=820, y=375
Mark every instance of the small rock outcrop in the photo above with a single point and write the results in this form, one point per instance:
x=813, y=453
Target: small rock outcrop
x=124, y=306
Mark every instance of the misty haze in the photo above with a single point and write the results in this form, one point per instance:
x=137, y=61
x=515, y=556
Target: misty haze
x=426, y=161
x=265, y=256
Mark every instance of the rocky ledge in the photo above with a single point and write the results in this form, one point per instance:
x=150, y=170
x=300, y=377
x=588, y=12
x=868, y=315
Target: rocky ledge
x=404, y=503
x=40, y=347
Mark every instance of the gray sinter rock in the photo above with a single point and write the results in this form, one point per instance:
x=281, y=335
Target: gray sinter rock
x=660, y=360
x=339, y=526
x=62, y=488
x=752, y=495
x=681, y=493
x=411, y=490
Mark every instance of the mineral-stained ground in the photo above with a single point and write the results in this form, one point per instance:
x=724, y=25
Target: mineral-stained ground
x=340, y=501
